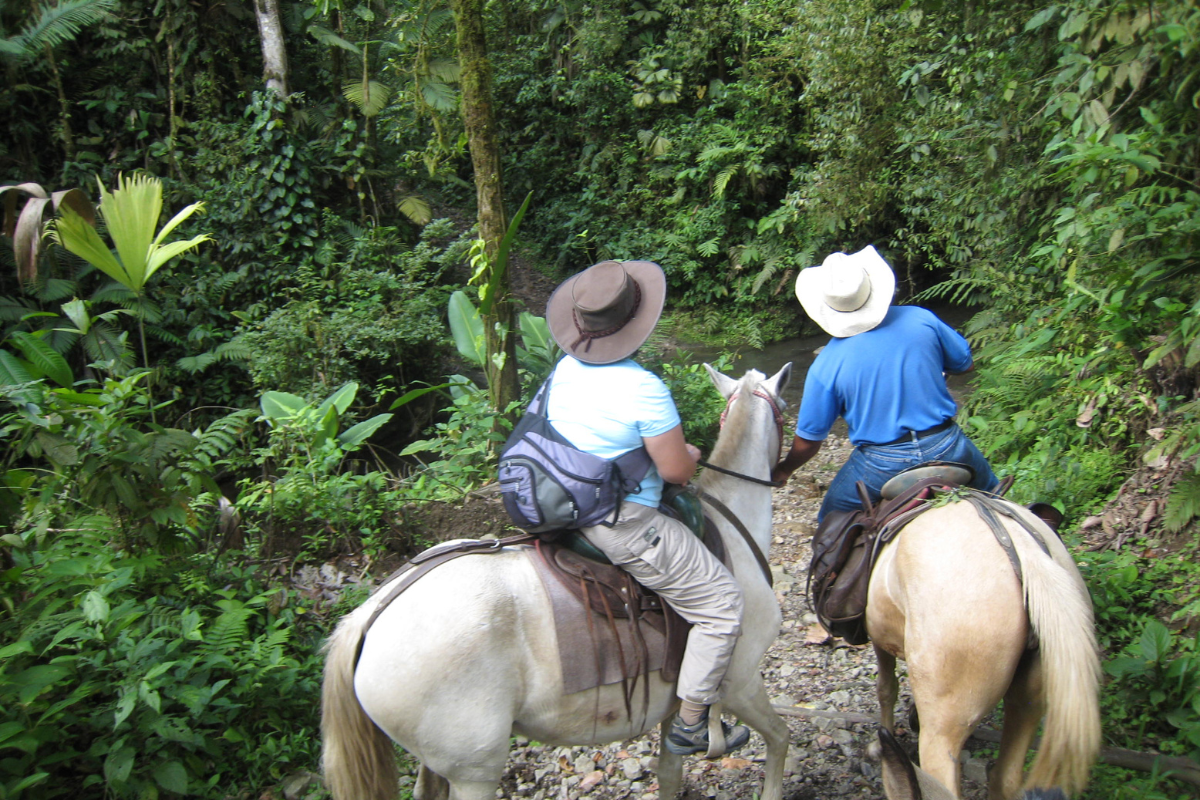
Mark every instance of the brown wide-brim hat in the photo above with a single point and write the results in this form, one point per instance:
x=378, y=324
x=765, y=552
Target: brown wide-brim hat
x=606, y=312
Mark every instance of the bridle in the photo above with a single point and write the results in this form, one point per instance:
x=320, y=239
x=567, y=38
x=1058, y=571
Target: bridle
x=779, y=423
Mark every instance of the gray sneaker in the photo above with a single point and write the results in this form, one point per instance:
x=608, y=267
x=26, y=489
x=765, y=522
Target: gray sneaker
x=686, y=740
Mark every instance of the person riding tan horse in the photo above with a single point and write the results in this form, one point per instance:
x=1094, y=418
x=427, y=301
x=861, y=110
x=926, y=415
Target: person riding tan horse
x=884, y=372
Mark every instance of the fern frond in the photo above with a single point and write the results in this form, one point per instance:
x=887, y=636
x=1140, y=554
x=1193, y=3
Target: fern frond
x=233, y=351
x=59, y=24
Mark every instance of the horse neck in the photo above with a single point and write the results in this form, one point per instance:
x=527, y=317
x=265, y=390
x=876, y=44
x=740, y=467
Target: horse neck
x=746, y=446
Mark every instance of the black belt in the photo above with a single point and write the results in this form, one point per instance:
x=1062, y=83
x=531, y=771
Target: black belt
x=912, y=436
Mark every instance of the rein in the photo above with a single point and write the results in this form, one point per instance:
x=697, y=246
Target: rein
x=750, y=478
x=741, y=528
x=724, y=509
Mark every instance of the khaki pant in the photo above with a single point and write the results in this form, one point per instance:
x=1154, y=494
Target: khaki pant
x=664, y=556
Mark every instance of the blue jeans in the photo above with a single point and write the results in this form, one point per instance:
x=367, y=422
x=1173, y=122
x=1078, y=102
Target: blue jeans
x=874, y=464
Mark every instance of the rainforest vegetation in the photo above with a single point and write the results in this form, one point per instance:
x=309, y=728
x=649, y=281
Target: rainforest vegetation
x=290, y=349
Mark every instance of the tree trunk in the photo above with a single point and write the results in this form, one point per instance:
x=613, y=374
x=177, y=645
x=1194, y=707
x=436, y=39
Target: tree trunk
x=270, y=34
x=476, y=77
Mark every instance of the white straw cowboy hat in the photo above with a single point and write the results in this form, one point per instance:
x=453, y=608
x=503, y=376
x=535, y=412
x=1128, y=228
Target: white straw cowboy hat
x=606, y=312
x=847, y=294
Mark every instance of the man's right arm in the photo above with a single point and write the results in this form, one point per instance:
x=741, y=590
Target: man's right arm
x=802, y=450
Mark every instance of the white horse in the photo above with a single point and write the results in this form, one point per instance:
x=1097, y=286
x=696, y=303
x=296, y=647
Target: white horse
x=945, y=597
x=467, y=656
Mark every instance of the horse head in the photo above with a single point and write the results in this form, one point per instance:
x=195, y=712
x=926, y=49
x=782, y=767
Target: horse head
x=743, y=423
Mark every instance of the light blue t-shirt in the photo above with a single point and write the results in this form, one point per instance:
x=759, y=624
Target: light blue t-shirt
x=607, y=409
x=885, y=381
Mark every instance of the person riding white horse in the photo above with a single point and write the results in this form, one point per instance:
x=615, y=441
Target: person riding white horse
x=606, y=404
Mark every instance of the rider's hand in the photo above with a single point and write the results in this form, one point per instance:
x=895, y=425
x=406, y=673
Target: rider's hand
x=693, y=451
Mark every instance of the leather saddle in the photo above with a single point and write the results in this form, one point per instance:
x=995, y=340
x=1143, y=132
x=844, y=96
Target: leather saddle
x=847, y=543
x=610, y=628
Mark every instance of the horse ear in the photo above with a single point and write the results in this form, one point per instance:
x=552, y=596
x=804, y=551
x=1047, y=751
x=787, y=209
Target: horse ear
x=725, y=385
x=779, y=381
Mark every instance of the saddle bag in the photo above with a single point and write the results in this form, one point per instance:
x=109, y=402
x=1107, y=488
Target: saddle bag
x=844, y=550
x=547, y=484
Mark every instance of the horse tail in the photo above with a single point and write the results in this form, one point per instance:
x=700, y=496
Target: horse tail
x=1060, y=612
x=357, y=757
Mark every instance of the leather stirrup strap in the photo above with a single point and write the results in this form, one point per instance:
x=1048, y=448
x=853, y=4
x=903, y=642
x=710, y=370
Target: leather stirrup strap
x=716, y=732
x=741, y=528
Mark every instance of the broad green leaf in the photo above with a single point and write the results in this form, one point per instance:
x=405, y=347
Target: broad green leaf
x=467, y=328
x=172, y=776
x=341, y=399
x=16, y=648
x=500, y=265
x=355, y=435
x=125, y=707
x=281, y=405
x=408, y=397
x=33, y=681
x=119, y=765
x=95, y=607
x=27, y=781
x=1155, y=642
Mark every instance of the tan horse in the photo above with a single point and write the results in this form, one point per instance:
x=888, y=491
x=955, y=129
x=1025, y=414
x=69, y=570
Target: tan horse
x=945, y=598
x=467, y=657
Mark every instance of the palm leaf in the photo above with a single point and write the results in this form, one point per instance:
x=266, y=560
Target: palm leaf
x=13, y=372
x=56, y=25
x=331, y=39
x=131, y=211
x=79, y=237
x=438, y=95
x=416, y=209
x=369, y=97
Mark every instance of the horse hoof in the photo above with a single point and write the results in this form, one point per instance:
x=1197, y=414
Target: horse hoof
x=874, y=751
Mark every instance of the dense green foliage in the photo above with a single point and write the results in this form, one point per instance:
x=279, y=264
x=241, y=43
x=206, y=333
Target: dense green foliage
x=1035, y=160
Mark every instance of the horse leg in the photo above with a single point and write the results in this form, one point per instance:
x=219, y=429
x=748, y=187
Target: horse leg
x=430, y=785
x=757, y=712
x=670, y=765
x=887, y=687
x=1024, y=706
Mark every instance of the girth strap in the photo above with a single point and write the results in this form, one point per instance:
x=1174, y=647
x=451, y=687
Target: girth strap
x=987, y=508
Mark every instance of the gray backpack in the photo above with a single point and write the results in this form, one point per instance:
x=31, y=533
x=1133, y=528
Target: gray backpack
x=548, y=484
